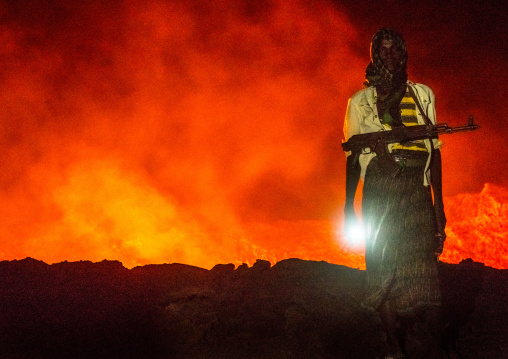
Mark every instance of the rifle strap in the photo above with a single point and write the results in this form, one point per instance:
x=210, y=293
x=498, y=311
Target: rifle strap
x=426, y=118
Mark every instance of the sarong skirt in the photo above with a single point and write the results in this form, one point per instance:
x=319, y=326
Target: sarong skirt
x=399, y=223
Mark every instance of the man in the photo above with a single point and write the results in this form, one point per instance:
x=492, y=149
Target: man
x=404, y=227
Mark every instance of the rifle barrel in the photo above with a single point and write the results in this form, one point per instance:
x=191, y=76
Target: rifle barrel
x=458, y=129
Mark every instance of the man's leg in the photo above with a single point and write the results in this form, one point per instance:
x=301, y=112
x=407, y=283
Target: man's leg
x=434, y=322
x=389, y=319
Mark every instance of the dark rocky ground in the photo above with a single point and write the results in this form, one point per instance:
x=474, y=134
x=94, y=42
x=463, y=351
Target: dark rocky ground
x=294, y=309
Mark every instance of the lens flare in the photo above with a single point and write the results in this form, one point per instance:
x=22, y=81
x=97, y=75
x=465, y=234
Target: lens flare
x=355, y=236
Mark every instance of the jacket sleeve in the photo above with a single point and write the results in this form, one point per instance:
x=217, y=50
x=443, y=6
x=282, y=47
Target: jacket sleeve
x=428, y=100
x=431, y=113
x=353, y=168
x=352, y=121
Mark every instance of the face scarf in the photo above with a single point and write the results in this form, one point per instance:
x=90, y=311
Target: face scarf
x=391, y=84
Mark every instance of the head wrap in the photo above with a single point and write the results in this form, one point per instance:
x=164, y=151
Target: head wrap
x=377, y=74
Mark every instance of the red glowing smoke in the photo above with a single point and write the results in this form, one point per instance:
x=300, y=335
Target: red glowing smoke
x=184, y=131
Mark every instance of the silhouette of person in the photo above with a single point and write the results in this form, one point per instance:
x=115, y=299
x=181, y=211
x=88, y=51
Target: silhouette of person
x=403, y=217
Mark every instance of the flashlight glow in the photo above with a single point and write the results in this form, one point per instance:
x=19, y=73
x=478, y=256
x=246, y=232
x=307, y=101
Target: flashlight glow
x=355, y=235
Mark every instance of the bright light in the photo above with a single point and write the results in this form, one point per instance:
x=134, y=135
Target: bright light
x=355, y=235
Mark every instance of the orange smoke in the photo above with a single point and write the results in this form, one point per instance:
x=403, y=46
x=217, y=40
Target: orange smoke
x=185, y=131
x=477, y=227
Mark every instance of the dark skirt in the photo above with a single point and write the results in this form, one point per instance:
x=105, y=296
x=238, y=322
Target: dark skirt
x=399, y=220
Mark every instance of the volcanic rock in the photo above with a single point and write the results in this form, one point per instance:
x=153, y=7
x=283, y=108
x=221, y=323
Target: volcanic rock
x=293, y=309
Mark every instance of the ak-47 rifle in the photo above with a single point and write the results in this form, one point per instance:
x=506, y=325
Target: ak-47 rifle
x=378, y=141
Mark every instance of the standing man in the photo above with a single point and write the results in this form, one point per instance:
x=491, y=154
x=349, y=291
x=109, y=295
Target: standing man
x=403, y=218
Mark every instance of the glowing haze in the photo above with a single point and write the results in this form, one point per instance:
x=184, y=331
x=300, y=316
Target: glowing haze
x=182, y=131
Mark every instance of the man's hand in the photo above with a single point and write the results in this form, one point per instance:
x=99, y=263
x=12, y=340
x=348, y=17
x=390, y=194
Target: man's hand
x=439, y=242
x=440, y=235
x=440, y=219
x=440, y=216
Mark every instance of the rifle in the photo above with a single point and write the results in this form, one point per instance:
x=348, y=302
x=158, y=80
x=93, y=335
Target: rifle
x=378, y=141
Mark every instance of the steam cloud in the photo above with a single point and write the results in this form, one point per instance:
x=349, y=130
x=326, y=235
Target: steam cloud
x=175, y=131
x=150, y=132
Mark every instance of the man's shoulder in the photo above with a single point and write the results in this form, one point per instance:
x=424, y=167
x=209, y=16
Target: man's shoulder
x=362, y=94
x=421, y=88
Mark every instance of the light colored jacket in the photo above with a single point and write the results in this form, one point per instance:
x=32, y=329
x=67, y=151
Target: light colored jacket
x=362, y=117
